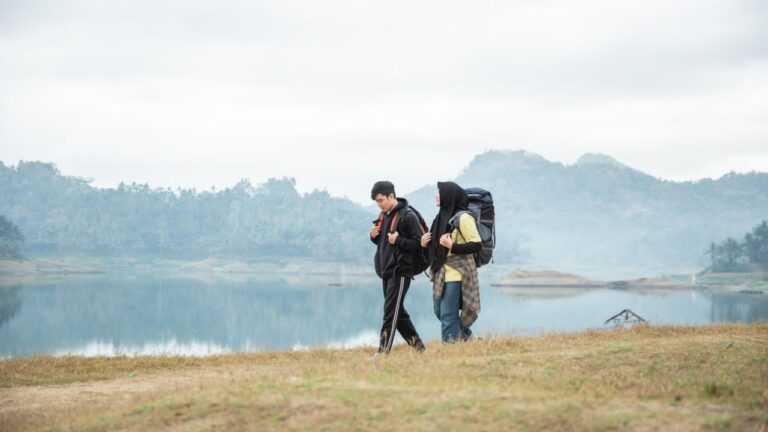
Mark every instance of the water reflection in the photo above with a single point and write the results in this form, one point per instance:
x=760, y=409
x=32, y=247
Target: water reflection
x=739, y=307
x=9, y=303
x=123, y=315
x=105, y=315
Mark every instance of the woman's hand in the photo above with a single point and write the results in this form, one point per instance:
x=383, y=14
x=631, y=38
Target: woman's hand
x=425, y=239
x=446, y=241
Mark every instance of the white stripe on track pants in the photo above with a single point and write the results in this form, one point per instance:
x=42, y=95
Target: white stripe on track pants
x=395, y=315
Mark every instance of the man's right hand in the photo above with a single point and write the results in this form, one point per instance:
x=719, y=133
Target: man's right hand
x=374, y=231
x=425, y=239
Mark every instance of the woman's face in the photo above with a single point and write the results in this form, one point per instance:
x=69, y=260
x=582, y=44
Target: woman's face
x=437, y=199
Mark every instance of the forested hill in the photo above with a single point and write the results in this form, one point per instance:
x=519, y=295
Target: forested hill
x=599, y=211
x=66, y=215
x=594, y=212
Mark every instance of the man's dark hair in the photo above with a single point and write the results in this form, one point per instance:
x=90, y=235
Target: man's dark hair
x=383, y=187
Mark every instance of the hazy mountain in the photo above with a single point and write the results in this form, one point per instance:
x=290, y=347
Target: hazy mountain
x=598, y=159
x=600, y=211
x=597, y=212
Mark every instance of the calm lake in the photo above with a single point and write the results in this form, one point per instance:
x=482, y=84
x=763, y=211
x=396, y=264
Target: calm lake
x=122, y=314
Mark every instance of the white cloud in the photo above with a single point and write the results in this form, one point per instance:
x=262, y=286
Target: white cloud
x=340, y=94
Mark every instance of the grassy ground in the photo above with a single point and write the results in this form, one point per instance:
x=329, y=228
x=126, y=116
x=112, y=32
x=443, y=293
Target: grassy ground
x=646, y=378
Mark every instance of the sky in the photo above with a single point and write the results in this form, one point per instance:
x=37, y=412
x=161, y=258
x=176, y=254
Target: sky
x=339, y=94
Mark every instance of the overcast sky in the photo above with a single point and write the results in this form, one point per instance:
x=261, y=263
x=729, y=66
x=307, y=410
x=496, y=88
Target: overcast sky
x=339, y=94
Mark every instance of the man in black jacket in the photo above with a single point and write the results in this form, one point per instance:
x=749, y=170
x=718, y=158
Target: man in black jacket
x=397, y=234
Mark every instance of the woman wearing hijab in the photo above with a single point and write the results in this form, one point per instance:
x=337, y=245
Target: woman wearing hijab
x=451, y=242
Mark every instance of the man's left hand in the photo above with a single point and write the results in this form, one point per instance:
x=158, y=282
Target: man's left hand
x=392, y=237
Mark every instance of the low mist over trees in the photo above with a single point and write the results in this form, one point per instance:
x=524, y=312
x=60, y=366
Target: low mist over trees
x=733, y=255
x=595, y=212
x=599, y=211
x=62, y=214
x=11, y=239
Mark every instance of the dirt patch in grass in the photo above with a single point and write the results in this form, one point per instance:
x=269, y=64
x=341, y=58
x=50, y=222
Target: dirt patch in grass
x=25, y=406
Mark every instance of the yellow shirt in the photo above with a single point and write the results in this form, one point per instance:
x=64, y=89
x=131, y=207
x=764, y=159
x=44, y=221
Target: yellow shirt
x=469, y=234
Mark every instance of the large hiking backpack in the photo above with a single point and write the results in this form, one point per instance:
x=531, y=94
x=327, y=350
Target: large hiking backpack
x=482, y=210
x=420, y=261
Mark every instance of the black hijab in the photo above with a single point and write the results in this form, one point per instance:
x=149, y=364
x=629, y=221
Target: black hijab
x=452, y=199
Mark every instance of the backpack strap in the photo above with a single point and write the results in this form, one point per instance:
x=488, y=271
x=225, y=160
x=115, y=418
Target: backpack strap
x=405, y=211
x=422, y=226
x=392, y=224
x=396, y=219
x=455, y=222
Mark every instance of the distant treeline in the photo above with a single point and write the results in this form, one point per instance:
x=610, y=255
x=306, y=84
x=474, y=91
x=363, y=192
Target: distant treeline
x=734, y=255
x=11, y=239
x=66, y=215
x=596, y=212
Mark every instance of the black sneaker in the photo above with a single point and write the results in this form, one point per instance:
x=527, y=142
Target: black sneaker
x=418, y=346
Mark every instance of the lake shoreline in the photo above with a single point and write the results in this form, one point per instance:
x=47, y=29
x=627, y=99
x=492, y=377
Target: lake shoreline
x=84, y=265
x=521, y=278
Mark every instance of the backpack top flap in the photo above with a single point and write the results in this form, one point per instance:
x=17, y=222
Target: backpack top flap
x=481, y=205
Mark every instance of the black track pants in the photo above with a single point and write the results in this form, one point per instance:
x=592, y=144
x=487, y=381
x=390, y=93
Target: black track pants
x=395, y=315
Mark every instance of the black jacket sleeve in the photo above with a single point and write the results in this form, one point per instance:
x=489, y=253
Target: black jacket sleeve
x=466, y=248
x=409, y=239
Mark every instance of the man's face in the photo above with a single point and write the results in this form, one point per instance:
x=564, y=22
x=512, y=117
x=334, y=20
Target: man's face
x=385, y=203
x=437, y=199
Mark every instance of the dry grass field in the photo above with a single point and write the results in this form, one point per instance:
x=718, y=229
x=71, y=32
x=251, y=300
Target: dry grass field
x=645, y=378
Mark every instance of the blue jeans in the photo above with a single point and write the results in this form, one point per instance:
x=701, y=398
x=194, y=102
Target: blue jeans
x=447, y=311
